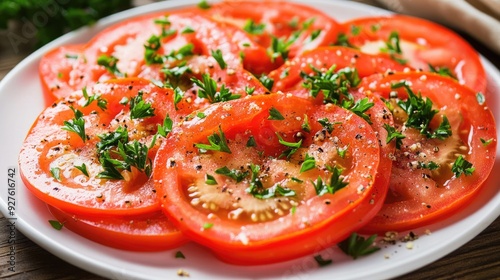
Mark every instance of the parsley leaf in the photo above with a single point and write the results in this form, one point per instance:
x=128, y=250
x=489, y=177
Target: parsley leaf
x=217, y=142
x=208, y=89
x=110, y=140
x=56, y=224
x=257, y=190
x=357, y=246
x=462, y=166
x=266, y=82
x=291, y=147
x=217, y=55
x=210, y=180
x=203, y=4
x=83, y=169
x=336, y=183
x=76, y=125
x=308, y=164
x=139, y=108
x=393, y=48
x=443, y=71
x=234, y=174
x=392, y=134
x=101, y=103
x=420, y=113
x=360, y=107
x=274, y=114
x=322, y=262
x=333, y=85
x=253, y=28
x=251, y=142
x=109, y=63
x=151, y=56
x=56, y=173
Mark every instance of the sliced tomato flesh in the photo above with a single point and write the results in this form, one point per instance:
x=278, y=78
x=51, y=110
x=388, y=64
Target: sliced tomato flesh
x=51, y=153
x=228, y=214
x=422, y=45
x=297, y=27
x=428, y=182
x=142, y=233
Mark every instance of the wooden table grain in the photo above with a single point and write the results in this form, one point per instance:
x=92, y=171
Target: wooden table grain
x=477, y=259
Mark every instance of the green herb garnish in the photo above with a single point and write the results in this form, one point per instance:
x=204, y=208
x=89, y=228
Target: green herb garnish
x=357, y=246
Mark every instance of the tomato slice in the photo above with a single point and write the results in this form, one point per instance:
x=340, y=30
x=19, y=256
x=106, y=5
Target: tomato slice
x=423, y=44
x=296, y=27
x=432, y=178
x=168, y=48
x=61, y=166
x=291, y=79
x=254, y=205
x=288, y=76
x=144, y=233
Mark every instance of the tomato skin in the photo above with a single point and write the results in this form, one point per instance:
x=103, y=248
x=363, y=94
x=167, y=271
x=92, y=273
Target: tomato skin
x=48, y=146
x=435, y=44
x=287, y=77
x=330, y=218
x=141, y=233
x=277, y=16
x=61, y=73
x=410, y=203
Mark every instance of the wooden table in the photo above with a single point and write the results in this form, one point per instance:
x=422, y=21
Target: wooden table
x=478, y=259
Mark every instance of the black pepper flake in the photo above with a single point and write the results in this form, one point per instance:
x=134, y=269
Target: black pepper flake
x=199, y=167
x=359, y=136
x=130, y=87
x=172, y=163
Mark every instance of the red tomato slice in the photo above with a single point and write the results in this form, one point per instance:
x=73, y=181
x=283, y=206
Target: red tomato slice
x=290, y=80
x=50, y=156
x=429, y=182
x=183, y=40
x=263, y=20
x=251, y=204
x=422, y=43
x=288, y=76
x=144, y=233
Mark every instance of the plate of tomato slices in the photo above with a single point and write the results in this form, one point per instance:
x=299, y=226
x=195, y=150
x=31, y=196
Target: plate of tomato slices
x=233, y=140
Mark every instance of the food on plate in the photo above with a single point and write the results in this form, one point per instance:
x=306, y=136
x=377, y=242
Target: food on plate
x=418, y=43
x=241, y=127
x=143, y=233
x=446, y=146
x=255, y=174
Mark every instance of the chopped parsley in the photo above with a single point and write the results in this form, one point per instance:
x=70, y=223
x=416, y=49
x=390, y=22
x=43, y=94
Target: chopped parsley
x=234, y=174
x=56, y=224
x=208, y=90
x=111, y=140
x=139, y=109
x=208, y=225
x=326, y=124
x=253, y=28
x=83, y=169
x=56, y=173
x=210, y=180
x=217, y=55
x=179, y=255
x=336, y=183
x=251, y=142
x=266, y=81
x=274, y=114
x=151, y=56
x=393, y=48
x=443, y=71
x=178, y=94
x=76, y=125
x=462, y=166
x=393, y=134
x=486, y=142
x=109, y=63
x=357, y=246
x=322, y=262
x=360, y=107
x=101, y=103
x=420, y=113
x=291, y=146
x=217, y=142
x=308, y=164
x=305, y=124
x=333, y=85
x=203, y=4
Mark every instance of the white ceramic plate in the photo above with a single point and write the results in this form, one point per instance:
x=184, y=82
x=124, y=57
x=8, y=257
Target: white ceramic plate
x=21, y=101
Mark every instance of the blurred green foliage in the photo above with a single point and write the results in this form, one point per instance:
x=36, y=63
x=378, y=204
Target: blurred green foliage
x=52, y=18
